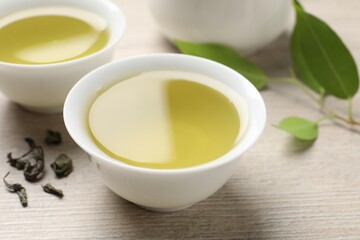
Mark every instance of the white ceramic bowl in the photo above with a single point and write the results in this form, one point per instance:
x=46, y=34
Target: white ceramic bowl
x=43, y=88
x=245, y=25
x=161, y=190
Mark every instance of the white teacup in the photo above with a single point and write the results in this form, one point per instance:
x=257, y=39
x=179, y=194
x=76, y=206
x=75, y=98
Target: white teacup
x=43, y=88
x=245, y=25
x=161, y=190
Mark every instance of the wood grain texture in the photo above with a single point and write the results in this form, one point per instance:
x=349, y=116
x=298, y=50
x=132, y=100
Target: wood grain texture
x=281, y=189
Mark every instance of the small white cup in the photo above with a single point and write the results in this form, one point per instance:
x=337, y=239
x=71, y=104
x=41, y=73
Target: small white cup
x=161, y=190
x=245, y=25
x=43, y=88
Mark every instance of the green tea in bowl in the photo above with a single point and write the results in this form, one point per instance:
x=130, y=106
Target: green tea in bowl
x=51, y=34
x=152, y=125
x=167, y=120
x=48, y=46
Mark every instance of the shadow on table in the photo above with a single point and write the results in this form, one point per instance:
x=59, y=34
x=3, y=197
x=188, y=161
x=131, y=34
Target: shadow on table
x=22, y=123
x=225, y=215
x=295, y=145
x=274, y=59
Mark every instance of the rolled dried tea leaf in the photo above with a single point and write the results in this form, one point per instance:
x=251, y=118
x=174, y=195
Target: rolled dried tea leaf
x=62, y=165
x=32, y=161
x=48, y=188
x=34, y=167
x=18, y=163
x=30, y=142
x=18, y=189
x=34, y=171
x=53, y=137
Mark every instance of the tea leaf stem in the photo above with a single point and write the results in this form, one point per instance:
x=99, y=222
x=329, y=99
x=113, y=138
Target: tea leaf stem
x=307, y=92
x=350, y=111
x=282, y=79
x=326, y=117
x=296, y=82
x=329, y=113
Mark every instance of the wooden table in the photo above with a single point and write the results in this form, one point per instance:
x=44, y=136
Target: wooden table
x=281, y=189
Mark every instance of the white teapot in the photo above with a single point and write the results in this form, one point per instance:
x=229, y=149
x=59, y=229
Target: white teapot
x=245, y=25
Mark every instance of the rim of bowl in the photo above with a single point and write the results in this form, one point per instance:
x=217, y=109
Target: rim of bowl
x=120, y=22
x=232, y=154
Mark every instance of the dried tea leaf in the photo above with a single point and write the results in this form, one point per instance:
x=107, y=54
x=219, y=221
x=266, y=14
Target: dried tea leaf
x=48, y=188
x=18, y=163
x=34, y=168
x=35, y=171
x=62, y=165
x=32, y=162
x=18, y=189
x=53, y=137
x=30, y=142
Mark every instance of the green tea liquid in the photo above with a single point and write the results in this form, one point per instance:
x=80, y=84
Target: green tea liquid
x=155, y=120
x=51, y=35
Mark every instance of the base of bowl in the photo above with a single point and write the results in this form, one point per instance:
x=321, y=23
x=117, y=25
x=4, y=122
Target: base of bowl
x=165, y=209
x=50, y=110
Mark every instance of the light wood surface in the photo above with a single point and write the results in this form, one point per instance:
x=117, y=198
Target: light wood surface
x=281, y=189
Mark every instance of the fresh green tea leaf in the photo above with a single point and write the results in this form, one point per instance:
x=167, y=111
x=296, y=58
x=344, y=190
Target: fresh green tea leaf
x=226, y=56
x=300, y=128
x=326, y=56
x=300, y=65
x=297, y=5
